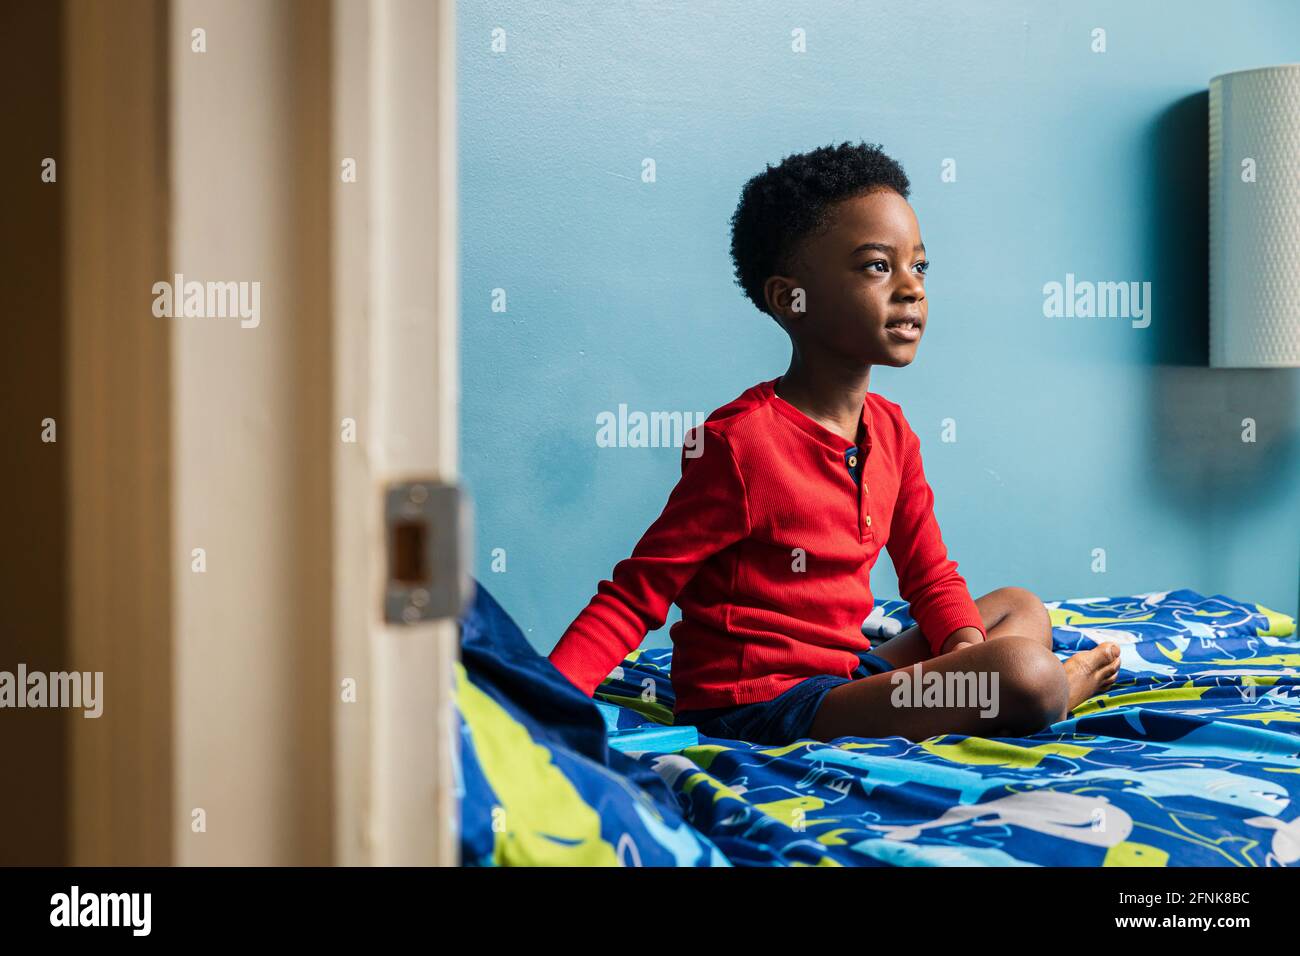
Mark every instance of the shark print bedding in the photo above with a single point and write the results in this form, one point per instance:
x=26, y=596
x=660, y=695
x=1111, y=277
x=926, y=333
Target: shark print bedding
x=1192, y=758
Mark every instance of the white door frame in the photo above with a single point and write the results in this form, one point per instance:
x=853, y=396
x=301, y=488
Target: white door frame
x=396, y=371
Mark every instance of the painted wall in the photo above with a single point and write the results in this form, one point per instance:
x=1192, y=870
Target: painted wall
x=1072, y=434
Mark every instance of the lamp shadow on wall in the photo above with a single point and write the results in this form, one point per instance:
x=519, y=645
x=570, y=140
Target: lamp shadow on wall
x=1199, y=463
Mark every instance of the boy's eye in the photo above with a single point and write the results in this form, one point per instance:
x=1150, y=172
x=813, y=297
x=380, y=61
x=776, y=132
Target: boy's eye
x=923, y=266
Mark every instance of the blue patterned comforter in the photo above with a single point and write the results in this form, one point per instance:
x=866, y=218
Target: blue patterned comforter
x=1192, y=758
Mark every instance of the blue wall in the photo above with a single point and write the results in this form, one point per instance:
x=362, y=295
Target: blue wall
x=1073, y=434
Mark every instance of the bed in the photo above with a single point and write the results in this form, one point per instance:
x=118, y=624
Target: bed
x=1191, y=759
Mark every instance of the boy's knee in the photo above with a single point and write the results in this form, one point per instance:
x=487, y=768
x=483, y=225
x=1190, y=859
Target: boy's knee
x=1032, y=687
x=1028, y=608
x=1024, y=600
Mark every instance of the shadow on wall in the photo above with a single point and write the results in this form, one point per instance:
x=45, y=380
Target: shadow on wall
x=1199, y=463
x=1178, y=234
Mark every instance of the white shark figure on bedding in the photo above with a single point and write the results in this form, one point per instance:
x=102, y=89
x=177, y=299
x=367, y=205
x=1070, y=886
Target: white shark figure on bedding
x=1286, y=837
x=1127, y=641
x=671, y=767
x=894, y=772
x=1218, y=786
x=1066, y=816
x=1152, y=598
x=1236, y=742
x=1199, y=628
x=880, y=628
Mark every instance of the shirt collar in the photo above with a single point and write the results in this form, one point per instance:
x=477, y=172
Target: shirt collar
x=823, y=435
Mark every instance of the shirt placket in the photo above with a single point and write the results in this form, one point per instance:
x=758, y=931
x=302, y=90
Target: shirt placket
x=864, y=493
x=856, y=457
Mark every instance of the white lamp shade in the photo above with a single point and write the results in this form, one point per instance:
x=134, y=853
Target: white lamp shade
x=1255, y=218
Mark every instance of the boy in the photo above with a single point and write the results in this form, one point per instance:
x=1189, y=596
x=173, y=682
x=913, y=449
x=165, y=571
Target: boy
x=768, y=540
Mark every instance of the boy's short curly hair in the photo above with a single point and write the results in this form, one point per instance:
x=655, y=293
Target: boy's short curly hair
x=785, y=203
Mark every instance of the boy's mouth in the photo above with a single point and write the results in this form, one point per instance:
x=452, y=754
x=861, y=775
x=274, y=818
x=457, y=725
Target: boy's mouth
x=906, y=329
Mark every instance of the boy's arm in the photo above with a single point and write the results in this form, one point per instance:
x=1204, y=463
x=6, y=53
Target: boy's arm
x=706, y=512
x=960, y=638
x=940, y=600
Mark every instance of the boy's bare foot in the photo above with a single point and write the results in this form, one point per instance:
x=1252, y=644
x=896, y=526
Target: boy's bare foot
x=1090, y=672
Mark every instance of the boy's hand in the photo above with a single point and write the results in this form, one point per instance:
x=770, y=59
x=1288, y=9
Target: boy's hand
x=962, y=637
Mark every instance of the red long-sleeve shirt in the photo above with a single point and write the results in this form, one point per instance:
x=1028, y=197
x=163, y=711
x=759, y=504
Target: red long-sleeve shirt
x=767, y=544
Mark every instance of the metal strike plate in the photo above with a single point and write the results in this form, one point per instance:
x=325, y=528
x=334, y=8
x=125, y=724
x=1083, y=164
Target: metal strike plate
x=426, y=532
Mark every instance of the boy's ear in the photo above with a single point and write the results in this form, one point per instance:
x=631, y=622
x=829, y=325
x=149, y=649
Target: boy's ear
x=786, y=300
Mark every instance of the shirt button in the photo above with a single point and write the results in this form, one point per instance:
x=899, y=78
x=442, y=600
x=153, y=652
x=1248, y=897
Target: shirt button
x=853, y=461
x=868, y=521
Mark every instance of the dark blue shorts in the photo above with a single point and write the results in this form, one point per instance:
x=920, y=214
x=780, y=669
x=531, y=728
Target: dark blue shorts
x=783, y=719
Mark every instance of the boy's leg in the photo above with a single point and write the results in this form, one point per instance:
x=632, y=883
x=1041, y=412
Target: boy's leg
x=1006, y=612
x=1007, y=687
x=1018, y=626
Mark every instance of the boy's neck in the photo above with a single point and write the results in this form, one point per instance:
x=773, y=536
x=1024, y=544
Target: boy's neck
x=829, y=392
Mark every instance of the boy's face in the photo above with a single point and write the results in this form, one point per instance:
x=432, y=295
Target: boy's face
x=860, y=277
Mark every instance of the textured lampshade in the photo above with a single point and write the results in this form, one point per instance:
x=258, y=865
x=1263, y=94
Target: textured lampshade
x=1255, y=218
